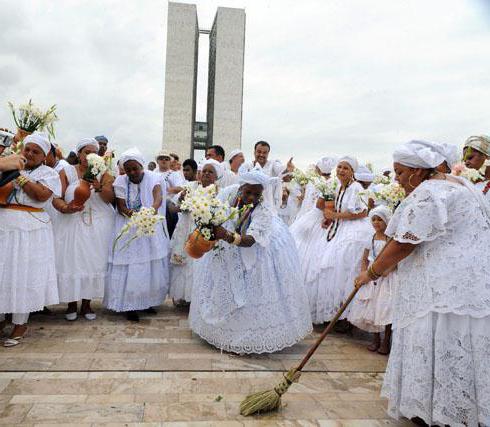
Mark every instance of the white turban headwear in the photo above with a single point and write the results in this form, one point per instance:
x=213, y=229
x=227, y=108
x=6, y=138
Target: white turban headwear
x=255, y=176
x=326, y=164
x=85, y=142
x=364, y=174
x=234, y=153
x=451, y=154
x=352, y=161
x=418, y=154
x=218, y=167
x=132, y=154
x=383, y=212
x=480, y=143
x=40, y=139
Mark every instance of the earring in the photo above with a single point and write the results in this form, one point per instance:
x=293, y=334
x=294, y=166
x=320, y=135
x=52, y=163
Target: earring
x=410, y=181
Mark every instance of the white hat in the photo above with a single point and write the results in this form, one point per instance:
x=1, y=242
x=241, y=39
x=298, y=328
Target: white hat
x=132, y=154
x=255, y=176
x=364, y=174
x=235, y=153
x=84, y=142
x=418, y=154
x=383, y=212
x=218, y=167
x=326, y=164
x=40, y=139
x=352, y=161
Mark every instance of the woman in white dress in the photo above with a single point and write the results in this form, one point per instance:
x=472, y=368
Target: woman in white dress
x=27, y=268
x=83, y=236
x=438, y=369
x=476, y=154
x=137, y=277
x=181, y=265
x=248, y=294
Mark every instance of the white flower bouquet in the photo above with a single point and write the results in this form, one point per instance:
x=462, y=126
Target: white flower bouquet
x=97, y=166
x=381, y=179
x=29, y=118
x=472, y=175
x=142, y=222
x=390, y=195
x=327, y=189
x=304, y=178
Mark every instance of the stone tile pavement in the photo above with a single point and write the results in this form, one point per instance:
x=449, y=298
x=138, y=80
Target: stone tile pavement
x=157, y=373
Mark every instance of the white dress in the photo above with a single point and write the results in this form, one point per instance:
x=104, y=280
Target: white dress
x=82, y=245
x=182, y=266
x=371, y=309
x=438, y=368
x=27, y=264
x=481, y=187
x=333, y=259
x=251, y=300
x=138, y=275
x=309, y=201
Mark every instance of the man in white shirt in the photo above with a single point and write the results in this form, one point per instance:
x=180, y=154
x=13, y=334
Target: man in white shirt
x=217, y=153
x=273, y=168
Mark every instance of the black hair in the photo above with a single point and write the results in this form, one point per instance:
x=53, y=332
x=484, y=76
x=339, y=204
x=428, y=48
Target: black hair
x=52, y=150
x=264, y=143
x=190, y=162
x=220, y=151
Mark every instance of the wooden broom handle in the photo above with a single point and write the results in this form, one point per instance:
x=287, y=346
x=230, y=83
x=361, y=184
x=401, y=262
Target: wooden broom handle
x=332, y=323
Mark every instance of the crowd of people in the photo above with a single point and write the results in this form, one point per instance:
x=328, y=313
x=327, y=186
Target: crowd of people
x=285, y=264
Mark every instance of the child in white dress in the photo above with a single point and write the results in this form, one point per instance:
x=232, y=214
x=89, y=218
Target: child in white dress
x=372, y=308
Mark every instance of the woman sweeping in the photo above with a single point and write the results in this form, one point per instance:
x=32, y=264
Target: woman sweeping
x=438, y=370
x=248, y=295
x=137, y=277
x=27, y=270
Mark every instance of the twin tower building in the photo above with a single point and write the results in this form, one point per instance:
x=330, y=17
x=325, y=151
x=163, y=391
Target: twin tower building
x=223, y=126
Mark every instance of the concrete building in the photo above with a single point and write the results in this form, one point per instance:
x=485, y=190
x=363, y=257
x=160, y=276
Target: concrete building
x=181, y=133
x=179, y=109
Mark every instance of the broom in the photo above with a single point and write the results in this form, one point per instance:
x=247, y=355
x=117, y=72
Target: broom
x=270, y=400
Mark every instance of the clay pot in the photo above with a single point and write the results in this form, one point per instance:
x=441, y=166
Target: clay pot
x=196, y=245
x=329, y=206
x=21, y=134
x=82, y=193
x=5, y=192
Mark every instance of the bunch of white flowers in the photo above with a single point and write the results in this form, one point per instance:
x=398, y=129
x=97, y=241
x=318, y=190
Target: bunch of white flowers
x=96, y=167
x=206, y=210
x=390, y=195
x=143, y=222
x=381, y=179
x=304, y=178
x=30, y=118
x=472, y=175
x=326, y=188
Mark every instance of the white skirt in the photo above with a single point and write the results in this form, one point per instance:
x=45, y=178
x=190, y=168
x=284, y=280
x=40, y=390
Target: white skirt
x=82, y=249
x=181, y=279
x=136, y=286
x=27, y=266
x=439, y=371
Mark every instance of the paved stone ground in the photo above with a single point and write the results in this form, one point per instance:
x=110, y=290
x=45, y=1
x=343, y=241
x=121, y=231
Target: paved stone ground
x=157, y=373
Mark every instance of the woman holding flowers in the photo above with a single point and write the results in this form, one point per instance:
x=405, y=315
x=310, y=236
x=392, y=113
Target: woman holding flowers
x=83, y=231
x=181, y=265
x=137, y=277
x=27, y=268
x=476, y=156
x=248, y=294
x=438, y=369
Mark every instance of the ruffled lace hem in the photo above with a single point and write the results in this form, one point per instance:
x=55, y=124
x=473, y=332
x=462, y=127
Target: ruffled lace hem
x=74, y=288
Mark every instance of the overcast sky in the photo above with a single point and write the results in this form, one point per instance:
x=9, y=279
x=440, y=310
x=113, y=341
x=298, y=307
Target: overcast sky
x=345, y=77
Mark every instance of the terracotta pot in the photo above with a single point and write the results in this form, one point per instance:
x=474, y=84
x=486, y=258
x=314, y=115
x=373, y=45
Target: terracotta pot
x=21, y=134
x=196, y=245
x=5, y=192
x=329, y=206
x=82, y=193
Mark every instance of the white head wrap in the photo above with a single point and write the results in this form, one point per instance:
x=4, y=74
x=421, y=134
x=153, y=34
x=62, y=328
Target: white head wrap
x=40, y=139
x=235, y=153
x=364, y=174
x=326, y=164
x=255, y=176
x=480, y=143
x=218, y=167
x=451, y=154
x=86, y=141
x=383, y=212
x=352, y=161
x=132, y=154
x=418, y=154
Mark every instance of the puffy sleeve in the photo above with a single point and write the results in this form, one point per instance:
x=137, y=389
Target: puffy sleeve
x=355, y=204
x=261, y=225
x=120, y=187
x=49, y=178
x=421, y=217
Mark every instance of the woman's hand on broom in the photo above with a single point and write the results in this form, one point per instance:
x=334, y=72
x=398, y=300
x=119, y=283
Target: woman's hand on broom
x=362, y=279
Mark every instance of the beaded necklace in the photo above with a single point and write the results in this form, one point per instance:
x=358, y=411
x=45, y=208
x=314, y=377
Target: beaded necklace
x=339, y=198
x=136, y=206
x=373, y=250
x=486, y=188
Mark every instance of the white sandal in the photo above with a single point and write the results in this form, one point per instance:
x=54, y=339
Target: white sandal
x=12, y=342
x=71, y=316
x=90, y=316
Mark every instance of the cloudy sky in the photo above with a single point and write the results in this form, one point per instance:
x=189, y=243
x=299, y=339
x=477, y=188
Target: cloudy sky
x=321, y=77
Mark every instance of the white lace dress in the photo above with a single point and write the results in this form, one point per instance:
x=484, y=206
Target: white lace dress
x=438, y=368
x=82, y=245
x=333, y=259
x=27, y=264
x=182, y=266
x=138, y=275
x=372, y=308
x=251, y=300
x=482, y=187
